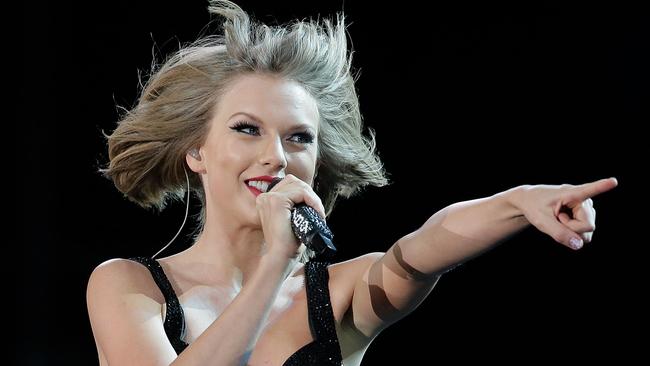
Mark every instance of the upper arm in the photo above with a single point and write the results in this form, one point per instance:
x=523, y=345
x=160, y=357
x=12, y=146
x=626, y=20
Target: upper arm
x=124, y=307
x=387, y=290
x=393, y=284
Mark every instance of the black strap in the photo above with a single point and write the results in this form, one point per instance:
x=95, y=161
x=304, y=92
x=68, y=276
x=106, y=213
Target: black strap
x=321, y=316
x=174, y=318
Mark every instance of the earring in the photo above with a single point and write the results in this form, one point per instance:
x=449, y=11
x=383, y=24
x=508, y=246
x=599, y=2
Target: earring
x=195, y=154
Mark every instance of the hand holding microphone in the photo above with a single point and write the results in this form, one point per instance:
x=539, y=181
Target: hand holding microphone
x=309, y=227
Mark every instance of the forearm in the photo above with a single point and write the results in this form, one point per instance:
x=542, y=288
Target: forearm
x=485, y=221
x=461, y=231
x=230, y=339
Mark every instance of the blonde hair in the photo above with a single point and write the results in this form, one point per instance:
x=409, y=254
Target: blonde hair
x=147, y=149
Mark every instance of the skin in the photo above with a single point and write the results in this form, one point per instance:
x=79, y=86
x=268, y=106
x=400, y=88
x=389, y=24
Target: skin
x=240, y=285
x=233, y=240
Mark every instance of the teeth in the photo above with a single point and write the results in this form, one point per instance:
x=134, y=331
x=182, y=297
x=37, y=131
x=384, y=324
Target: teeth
x=261, y=185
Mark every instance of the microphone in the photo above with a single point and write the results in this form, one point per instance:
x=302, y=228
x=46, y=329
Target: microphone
x=309, y=227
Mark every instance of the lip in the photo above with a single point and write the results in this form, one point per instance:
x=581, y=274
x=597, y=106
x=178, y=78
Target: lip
x=253, y=190
x=266, y=178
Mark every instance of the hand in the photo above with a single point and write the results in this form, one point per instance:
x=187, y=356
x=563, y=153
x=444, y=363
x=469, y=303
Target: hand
x=565, y=212
x=274, y=209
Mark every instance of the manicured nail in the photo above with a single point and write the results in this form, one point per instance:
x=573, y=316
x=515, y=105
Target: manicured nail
x=575, y=243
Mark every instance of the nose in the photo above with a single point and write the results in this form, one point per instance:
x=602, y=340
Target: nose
x=273, y=153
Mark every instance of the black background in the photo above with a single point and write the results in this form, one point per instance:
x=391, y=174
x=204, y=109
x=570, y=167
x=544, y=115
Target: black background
x=467, y=100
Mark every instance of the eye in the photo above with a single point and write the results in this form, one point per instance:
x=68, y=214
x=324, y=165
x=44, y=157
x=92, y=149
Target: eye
x=243, y=126
x=304, y=138
x=250, y=129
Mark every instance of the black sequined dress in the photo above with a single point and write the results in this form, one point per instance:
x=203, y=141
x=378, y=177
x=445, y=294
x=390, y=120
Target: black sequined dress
x=323, y=350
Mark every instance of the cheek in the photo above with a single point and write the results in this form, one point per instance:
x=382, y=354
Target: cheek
x=303, y=166
x=230, y=156
x=225, y=166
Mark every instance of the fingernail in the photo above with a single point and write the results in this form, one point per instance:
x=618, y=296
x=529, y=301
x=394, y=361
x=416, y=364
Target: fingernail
x=575, y=243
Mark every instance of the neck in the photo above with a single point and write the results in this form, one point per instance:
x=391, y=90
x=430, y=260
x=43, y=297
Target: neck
x=233, y=252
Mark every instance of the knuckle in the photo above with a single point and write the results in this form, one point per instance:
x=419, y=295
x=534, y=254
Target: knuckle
x=292, y=178
x=267, y=198
x=304, y=185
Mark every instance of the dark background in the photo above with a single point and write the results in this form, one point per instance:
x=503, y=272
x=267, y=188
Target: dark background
x=467, y=100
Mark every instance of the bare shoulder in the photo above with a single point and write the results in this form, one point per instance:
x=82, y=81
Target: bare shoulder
x=344, y=275
x=115, y=281
x=124, y=303
x=355, y=266
x=117, y=276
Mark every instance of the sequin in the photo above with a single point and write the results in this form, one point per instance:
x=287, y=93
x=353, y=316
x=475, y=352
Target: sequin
x=323, y=350
x=311, y=230
x=174, y=318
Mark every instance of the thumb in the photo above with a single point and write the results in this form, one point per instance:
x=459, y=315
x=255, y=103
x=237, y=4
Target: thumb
x=562, y=234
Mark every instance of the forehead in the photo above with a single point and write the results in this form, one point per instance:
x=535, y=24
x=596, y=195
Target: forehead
x=272, y=99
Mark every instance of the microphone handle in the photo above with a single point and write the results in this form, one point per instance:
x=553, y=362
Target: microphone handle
x=309, y=227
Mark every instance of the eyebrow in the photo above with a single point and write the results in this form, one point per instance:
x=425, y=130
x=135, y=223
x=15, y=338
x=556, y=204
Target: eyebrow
x=295, y=127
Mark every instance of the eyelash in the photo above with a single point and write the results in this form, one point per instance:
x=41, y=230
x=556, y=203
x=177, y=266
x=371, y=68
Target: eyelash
x=306, y=137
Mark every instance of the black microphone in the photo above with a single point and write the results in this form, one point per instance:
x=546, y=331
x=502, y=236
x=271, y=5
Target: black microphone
x=309, y=227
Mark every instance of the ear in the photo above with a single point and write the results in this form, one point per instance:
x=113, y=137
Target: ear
x=195, y=161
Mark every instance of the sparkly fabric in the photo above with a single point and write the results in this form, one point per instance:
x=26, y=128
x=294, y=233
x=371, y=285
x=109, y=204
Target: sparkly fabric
x=309, y=227
x=174, y=318
x=311, y=230
x=325, y=349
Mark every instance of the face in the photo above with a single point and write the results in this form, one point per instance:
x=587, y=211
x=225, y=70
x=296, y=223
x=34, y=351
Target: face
x=263, y=125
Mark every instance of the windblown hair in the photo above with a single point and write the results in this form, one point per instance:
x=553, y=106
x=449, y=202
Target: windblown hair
x=147, y=149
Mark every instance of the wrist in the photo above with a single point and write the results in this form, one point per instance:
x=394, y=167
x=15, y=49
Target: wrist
x=514, y=198
x=276, y=261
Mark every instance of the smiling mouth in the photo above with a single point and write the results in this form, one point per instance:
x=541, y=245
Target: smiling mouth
x=254, y=190
x=260, y=185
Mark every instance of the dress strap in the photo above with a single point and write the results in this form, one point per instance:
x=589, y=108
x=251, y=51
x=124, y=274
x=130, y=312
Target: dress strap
x=174, y=317
x=321, y=316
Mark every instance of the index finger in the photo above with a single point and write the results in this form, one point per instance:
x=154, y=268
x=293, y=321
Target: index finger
x=588, y=190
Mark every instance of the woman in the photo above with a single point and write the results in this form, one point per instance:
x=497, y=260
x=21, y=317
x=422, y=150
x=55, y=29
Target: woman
x=227, y=115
